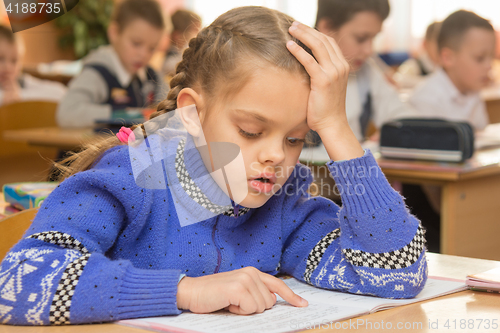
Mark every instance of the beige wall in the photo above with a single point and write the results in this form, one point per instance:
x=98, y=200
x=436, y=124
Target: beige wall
x=40, y=42
x=42, y=45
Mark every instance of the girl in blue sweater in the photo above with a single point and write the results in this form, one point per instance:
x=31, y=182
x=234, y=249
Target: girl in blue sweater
x=106, y=245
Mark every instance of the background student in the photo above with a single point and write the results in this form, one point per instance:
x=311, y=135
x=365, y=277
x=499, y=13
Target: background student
x=413, y=70
x=186, y=25
x=16, y=86
x=466, y=51
x=370, y=97
x=117, y=76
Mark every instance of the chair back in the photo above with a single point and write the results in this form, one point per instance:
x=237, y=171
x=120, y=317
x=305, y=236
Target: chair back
x=13, y=227
x=23, y=115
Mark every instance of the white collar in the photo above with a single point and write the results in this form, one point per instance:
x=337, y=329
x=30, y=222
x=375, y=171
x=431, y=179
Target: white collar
x=452, y=90
x=122, y=75
x=427, y=63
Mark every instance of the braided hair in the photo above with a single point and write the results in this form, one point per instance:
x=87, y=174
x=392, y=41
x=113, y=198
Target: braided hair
x=219, y=61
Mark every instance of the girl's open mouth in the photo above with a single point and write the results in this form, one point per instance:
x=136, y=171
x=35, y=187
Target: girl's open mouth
x=262, y=184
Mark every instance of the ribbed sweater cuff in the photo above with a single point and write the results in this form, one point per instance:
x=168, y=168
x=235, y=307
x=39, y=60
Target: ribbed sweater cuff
x=148, y=293
x=362, y=184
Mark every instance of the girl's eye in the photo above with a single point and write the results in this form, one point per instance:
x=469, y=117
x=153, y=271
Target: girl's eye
x=295, y=141
x=248, y=135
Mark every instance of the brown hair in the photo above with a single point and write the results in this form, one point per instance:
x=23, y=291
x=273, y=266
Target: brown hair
x=339, y=12
x=7, y=34
x=432, y=32
x=129, y=10
x=455, y=26
x=183, y=20
x=218, y=61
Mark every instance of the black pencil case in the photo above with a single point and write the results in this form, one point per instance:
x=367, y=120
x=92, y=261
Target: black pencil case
x=427, y=139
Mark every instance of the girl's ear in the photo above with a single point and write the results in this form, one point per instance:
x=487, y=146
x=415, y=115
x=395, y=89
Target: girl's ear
x=192, y=117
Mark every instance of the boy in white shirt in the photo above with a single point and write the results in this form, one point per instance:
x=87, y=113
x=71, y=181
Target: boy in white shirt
x=467, y=48
x=16, y=86
x=370, y=97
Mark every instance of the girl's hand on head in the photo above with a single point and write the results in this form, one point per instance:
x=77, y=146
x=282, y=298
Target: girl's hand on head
x=242, y=291
x=329, y=73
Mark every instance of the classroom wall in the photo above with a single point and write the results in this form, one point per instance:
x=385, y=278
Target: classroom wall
x=42, y=41
x=171, y=6
x=41, y=44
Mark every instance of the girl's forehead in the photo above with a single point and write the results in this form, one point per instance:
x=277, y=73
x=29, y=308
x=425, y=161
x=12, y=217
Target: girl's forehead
x=272, y=97
x=272, y=88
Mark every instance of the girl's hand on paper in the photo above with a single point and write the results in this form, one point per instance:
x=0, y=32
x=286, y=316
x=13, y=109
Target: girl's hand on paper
x=242, y=291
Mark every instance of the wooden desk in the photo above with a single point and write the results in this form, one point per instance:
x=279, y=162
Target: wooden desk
x=470, y=198
x=62, y=78
x=491, y=96
x=62, y=138
x=466, y=305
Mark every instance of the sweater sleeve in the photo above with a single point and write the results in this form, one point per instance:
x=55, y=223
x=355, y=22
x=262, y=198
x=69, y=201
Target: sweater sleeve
x=372, y=245
x=60, y=273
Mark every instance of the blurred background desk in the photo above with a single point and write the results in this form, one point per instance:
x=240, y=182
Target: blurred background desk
x=54, y=137
x=470, y=197
x=491, y=96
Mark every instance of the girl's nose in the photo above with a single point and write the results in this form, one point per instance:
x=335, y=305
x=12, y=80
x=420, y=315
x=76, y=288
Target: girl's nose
x=273, y=153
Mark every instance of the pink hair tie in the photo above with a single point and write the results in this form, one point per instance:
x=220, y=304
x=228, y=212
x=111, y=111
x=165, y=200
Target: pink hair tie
x=125, y=134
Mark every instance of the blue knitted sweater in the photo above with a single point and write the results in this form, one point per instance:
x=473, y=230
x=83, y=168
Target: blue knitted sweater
x=101, y=248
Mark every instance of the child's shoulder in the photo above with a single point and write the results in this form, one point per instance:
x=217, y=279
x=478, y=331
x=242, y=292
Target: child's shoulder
x=102, y=60
x=125, y=154
x=103, y=54
x=431, y=87
x=113, y=157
